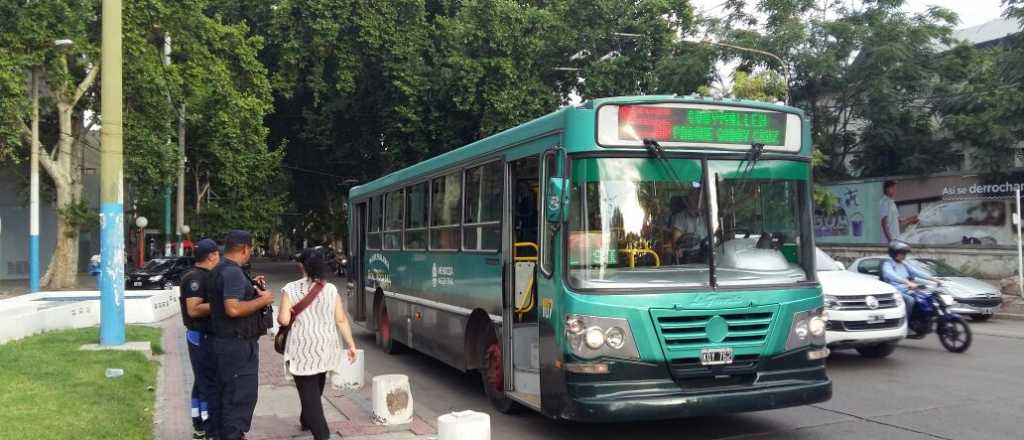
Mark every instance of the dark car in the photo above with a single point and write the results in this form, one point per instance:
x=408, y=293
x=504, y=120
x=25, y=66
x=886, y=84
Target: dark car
x=159, y=273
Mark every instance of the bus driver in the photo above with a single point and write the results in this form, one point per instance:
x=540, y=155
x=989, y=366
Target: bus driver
x=688, y=229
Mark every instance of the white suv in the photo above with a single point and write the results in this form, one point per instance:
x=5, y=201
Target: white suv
x=863, y=313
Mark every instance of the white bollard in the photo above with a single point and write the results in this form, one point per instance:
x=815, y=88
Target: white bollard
x=349, y=376
x=392, y=399
x=464, y=425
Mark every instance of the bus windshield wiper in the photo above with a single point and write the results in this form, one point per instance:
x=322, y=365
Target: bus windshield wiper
x=659, y=152
x=751, y=158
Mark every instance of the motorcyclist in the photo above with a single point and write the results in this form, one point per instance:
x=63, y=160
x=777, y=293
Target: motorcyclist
x=903, y=276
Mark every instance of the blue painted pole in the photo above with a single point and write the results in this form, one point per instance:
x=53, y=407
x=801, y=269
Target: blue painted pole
x=111, y=180
x=33, y=227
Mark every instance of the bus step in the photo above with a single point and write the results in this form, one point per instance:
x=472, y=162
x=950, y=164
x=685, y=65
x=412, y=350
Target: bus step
x=530, y=400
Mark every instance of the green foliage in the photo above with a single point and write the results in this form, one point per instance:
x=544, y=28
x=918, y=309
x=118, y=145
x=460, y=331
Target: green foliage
x=79, y=216
x=362, y=88
x=767, y=86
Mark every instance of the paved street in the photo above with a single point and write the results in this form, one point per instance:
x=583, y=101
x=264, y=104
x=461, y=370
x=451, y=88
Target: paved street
x=920, y=392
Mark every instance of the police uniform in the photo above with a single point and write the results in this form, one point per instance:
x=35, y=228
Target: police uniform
x=235, y=345
x=194, y=284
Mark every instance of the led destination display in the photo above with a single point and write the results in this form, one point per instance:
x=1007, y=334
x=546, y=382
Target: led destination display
x=701, y=125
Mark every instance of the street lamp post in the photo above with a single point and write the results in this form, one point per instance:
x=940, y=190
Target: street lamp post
x=33, y=204
x=141, y=222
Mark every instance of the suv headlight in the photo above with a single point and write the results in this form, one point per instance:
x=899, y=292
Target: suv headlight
x=592, y=337
x=156, y=278
x=831, y=302
x=807, y=328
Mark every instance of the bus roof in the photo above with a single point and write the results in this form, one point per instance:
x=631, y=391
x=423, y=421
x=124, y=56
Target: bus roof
x=547, y=124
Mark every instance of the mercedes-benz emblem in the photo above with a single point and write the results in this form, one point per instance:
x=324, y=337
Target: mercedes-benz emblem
x=871, y=302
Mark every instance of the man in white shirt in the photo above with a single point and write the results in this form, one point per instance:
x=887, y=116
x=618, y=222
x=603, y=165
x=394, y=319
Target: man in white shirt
x=890, y=215
x=689, y=224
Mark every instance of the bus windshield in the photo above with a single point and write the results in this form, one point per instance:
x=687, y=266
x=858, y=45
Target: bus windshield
x=644, y=223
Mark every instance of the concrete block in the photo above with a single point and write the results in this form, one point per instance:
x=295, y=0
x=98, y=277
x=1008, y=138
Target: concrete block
x=392, y=399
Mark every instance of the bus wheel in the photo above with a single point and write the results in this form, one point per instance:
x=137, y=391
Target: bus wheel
x=383, y=336
x=493, y=375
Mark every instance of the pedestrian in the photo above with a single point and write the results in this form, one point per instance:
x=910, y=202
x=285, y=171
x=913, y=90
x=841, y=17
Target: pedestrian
x=890, y=215
x=314, y=310
x=195, y=313
x=240, y=313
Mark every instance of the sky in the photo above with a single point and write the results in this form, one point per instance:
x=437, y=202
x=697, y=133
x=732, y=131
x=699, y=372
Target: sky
x=972, y=12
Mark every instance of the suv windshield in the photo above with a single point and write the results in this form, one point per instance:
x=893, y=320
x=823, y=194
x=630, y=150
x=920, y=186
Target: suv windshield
x=935, y=267
x=823, y=262
x=158, y=265
x=639, y=223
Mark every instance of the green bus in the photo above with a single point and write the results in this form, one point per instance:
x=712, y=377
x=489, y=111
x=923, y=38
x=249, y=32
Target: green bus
x=629, y=258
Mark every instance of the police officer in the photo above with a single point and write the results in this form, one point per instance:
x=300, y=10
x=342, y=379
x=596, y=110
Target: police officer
x=239, y=308
x=195, y=312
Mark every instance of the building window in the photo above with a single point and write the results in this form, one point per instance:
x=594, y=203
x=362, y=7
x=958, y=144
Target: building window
x=483, y=206
x=445, y=199
x=416, y=216
x=393, y=210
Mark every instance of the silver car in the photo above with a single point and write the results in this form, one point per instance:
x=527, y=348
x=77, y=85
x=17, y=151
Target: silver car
x=974, y=297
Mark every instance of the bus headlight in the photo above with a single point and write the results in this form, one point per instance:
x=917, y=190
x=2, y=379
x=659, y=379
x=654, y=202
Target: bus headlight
x=615, y=338
x=807, y=328
x=591, y=337
x=594, y=338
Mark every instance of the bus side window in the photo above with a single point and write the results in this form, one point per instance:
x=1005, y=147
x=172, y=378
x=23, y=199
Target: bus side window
x=416, y=217
x=373, y=225
x=482, y=215
x=393, y=210
x=445, y=200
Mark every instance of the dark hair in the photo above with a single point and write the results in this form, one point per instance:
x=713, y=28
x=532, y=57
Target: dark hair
x=237, y=240
x=313, y=263
x=888, y=184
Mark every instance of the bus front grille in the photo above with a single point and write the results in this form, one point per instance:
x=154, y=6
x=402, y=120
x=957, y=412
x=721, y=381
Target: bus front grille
x=685, y=333
x=691, y=332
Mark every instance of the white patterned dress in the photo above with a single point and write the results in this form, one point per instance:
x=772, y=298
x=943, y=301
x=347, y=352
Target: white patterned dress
x=313, y=344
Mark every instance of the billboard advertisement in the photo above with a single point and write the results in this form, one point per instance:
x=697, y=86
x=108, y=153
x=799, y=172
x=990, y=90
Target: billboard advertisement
x=855, y=219
x=970, y=212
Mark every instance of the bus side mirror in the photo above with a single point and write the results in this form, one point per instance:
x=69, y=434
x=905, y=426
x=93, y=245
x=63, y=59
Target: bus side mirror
x=555, y=200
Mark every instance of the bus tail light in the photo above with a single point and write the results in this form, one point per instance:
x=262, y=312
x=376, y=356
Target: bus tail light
x=591, y=337
x=807, y=329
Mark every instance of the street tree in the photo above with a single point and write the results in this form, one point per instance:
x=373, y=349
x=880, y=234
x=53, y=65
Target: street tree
x=214, y=74
x=66, y=78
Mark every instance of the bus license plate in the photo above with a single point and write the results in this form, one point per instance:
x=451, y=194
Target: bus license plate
x=716, y=356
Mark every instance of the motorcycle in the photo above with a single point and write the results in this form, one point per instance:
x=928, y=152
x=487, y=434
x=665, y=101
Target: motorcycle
x=931, y=314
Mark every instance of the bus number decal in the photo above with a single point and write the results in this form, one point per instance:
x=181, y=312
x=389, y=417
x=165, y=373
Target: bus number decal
x=442, y=275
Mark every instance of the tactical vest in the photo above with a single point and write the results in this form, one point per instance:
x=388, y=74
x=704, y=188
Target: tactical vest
x=246, y=327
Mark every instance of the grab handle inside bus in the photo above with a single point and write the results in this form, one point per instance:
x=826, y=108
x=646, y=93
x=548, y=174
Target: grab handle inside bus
x=555, y=200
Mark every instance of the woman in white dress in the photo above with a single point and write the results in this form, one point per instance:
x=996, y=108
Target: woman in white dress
x=313, y=346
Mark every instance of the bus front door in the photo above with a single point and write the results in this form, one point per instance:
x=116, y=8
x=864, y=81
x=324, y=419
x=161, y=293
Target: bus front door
x=521, y=288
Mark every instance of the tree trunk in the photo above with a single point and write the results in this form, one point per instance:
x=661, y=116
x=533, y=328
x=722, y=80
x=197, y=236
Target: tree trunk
x=63, y=269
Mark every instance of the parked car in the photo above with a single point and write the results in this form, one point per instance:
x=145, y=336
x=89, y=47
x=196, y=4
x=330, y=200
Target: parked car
x=863, y=313
x=159, y=273
x=973, y=297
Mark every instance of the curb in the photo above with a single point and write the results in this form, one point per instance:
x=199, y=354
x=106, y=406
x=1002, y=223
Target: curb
x=1010, y=316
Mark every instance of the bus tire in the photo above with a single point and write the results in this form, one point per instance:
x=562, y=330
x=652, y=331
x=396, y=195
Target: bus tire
x=492, y=372
x=385, y=339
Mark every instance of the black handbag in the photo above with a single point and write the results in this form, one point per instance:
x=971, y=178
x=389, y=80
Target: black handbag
x=281, y=338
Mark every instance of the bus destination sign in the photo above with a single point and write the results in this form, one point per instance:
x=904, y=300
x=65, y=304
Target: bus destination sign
x=702, y=125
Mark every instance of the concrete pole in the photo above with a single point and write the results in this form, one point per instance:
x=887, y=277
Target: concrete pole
x=1020, y=249
x=180, y=214
x=33, y=225
x=167, y=222
x=111, y=180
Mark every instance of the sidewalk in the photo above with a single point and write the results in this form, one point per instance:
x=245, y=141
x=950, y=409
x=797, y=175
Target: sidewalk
x=349, y=414
x=11, y=288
